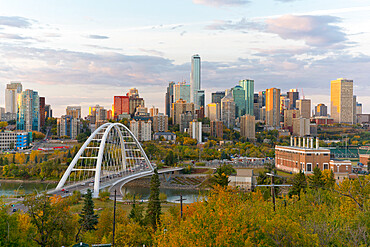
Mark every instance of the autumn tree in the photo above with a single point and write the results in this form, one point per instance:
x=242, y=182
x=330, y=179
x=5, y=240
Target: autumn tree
x=136, y=213
x=51, y=219
x=154, y=205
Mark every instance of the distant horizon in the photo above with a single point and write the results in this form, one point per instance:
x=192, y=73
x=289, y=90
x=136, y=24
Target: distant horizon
x=84, y=53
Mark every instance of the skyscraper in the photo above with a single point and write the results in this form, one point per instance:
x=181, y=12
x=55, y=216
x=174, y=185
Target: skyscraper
x=293, y=96
x=181, y=91
x=321, y=110
x=248, y=127
x=28, y=113
x=214, y=111
x=42, y=111
x=239, y=99
x=11, y=96
x=341, y=100
x=228, y=111
x=196, y=94
x=248, y=86
x=121, y=105
x=304, y=107
x=217, y=96
x=169, y=98
x=273, y=107
x=74, y=111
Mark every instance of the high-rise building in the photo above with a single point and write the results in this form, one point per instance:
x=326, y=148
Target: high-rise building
x=28, y=113
x=181, y=91
x=214, y=111
x=217, y=128
x=195, y=80
x=153, y=111
x=180, y=107
x=141, y=129
x=358, y=108
x=256, y=107
x=321, y=110
x=228, y=111
x=121, y=105
x=304, y=107
x=195, y=130
x=48, y=111
x=273, y=107
x=284, y=103
x=248, y=127
x=341, y=100
x=74, y=111
x=301, y=126
x=68, y=126
x=134, y=100
x=293, y=96
x=97, y=115
x=262, y=99
x=240, y=101
x=42, y=111
x=185, y=119
x=289, y=115
x=160, y=123
x=142, y=111
x=248, y=86
x=11, y=96
x=217, y=96
x=169, y=99
x=354, y=109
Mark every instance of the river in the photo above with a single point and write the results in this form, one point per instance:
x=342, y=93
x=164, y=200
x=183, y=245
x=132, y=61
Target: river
x=173, y=195
x=13, y=188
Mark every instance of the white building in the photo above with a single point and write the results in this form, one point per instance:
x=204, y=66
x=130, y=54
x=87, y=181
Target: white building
x=141, y=129
x=11, y=96
x=195, y=130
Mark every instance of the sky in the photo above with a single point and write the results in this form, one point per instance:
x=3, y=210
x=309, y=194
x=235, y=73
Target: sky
x=83, y=52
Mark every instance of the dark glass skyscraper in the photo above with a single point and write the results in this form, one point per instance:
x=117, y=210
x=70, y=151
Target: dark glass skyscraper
x=248, y=86
x=196, y=93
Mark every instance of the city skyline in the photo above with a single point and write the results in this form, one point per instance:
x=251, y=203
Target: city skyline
x=84, y=54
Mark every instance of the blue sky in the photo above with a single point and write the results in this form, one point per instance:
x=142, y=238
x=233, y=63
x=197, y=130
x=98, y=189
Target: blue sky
x=85, y=52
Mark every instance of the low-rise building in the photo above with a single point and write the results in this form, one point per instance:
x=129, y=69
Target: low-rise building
x=141, y=129
x=243, y=179
x=11, y=140
x=168, y=136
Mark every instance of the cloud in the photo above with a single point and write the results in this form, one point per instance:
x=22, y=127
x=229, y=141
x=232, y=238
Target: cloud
x=285, y=1
x=152, y=52
x=243, y=24
x=94, y=36
x=219, y=3
x=15, y=21
x=13, y=36
x=317, y=31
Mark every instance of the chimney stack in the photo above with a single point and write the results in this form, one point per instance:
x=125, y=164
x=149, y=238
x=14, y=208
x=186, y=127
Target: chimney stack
x=311, y=142
x=317, y=143
x=299, y=141
x=291, y=140
x=295, y=141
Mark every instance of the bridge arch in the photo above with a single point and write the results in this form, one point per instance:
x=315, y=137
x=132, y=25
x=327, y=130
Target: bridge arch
x=110, y=153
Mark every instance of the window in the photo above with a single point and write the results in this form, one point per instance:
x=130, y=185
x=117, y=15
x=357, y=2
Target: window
x=309, y=167
x=326, y=166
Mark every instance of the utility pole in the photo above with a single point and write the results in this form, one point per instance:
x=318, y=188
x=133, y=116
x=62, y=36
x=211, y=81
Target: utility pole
x=114, y=215
x=181, y=204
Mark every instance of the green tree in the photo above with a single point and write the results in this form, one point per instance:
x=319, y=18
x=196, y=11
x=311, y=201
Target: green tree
x=154, y=205
x=316, y=180
x=222, y=175
x=88, y=219
x=136, y=213
x=6, y=161
x=299, y=183
x=170, y=159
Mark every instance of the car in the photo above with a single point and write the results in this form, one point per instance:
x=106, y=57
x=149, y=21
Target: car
x=14, y=210
x=66, y=191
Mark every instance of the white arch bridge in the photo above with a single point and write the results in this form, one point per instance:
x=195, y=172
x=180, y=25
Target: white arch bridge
x=109, y=158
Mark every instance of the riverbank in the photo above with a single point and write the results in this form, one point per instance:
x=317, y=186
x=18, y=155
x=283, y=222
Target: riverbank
x=145, y=183
x=27, y=181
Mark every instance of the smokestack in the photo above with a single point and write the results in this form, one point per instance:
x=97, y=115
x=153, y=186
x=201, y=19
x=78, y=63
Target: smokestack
x=291, y=140
x=317, y=143
x=299, y=141
x=295, y=141
x=311, y=142
x=303, y=142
